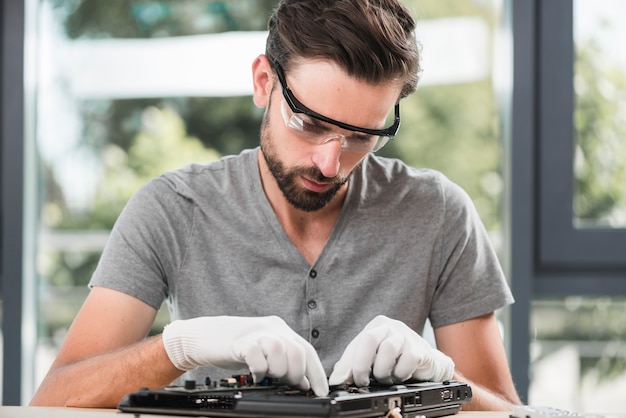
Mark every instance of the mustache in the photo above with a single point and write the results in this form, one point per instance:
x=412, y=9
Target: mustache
x=316, y=175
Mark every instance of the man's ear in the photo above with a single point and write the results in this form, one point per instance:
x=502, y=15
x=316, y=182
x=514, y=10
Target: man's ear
x=263, y=80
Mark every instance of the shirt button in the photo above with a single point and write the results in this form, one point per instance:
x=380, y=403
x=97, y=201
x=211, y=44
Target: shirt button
x=312, y=304
x=315, y=333
x=312, y=274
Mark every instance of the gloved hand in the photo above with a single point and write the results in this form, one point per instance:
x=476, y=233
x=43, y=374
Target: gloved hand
x=393, y=352
x=267, y=346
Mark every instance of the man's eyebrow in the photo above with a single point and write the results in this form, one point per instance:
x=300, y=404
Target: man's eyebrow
x=358, y=135
x=321, y=124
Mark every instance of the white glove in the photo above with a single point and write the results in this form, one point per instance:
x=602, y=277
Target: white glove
x=393, y=353
x=267, y=346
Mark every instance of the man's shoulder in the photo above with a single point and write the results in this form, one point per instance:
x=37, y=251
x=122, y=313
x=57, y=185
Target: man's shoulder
x=233, y=167
x=224, y=163
x=395, y=171
x=391, y=179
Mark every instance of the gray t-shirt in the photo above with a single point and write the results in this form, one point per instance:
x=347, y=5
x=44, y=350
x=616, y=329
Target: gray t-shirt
x=408, y=244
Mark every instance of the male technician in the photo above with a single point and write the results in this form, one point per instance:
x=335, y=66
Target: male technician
x=307, y=257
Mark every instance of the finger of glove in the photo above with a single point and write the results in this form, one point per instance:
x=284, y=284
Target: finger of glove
x=435, y=367
x=251, y=353
x=444, y=366
x=342, y=373
x=342, y=370
x=408, y=363
x=385, y=360
x=367, y=346
x=275, y=352
x=315, y=375
x=290, y=364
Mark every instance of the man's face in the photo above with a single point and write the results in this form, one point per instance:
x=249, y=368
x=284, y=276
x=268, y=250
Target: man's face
x=318, y=191
x=310, y=173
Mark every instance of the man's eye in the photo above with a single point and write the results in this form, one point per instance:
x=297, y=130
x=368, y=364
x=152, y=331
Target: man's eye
x=313, y=127
x=364, y=138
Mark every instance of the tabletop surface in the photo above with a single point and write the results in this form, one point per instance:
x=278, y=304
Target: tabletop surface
x=53, y=412
x=58, y=412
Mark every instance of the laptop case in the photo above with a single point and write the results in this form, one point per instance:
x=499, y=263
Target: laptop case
x=238, y=397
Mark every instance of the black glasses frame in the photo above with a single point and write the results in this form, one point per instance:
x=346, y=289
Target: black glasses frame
x=297, y=107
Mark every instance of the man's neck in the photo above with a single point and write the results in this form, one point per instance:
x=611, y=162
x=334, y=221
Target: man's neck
x=308, y=231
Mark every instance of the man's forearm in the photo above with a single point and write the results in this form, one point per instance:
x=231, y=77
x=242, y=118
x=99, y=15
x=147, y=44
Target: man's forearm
x=102, y=380
x=484, y=399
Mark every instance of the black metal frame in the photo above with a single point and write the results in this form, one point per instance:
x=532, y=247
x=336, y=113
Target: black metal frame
x=11, y=193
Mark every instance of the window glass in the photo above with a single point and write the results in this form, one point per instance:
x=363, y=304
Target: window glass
x=452, y=123
x=580, y=339
x=600, y=114
x=127, y=90
x=581, y=343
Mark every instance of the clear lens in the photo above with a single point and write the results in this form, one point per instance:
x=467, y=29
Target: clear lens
x=318, y=133
x=382, y=141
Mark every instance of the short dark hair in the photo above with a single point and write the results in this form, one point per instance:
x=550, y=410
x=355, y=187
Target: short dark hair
x=372, y=40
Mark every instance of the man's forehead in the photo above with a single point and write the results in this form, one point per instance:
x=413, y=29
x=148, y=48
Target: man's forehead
x=306, y=68
x=322, y=84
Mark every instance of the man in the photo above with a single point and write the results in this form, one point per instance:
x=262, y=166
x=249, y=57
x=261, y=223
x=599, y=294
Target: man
x=308, y=257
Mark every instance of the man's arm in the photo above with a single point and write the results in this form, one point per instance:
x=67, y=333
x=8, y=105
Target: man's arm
x=105, y=354
x=478, y=353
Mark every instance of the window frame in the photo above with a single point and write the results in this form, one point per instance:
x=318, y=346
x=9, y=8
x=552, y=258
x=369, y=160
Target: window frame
x=11, y=196
x=547, y=256
x=561, y=244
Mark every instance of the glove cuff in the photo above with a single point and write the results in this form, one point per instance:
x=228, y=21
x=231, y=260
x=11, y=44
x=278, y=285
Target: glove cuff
x=178, y=345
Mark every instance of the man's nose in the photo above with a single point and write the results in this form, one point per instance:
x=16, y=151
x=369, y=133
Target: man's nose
x=327, y=154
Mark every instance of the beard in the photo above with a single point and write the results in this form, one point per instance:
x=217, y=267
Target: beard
x=287, y=178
